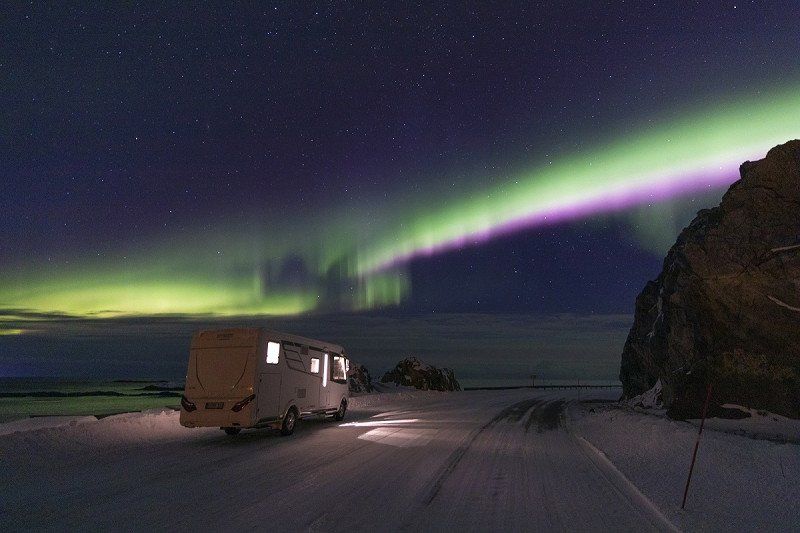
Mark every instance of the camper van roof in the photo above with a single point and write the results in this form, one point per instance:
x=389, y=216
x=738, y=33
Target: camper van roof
x=249, y=331
x=304, y=340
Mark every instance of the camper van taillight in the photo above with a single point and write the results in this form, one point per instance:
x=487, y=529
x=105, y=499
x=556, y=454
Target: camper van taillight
x=188, y=405
x=240, y=405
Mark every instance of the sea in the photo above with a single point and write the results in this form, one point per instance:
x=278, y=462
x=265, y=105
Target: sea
x=24, y=397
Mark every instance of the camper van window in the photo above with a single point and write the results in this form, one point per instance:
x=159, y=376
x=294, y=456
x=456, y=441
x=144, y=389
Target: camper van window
x=314, y=365
x=338, y=373
x=273, y=349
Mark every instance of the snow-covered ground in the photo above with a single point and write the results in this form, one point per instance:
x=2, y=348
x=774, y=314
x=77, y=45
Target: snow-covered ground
x=478, y=460
x=42, y=422
x=739, y=483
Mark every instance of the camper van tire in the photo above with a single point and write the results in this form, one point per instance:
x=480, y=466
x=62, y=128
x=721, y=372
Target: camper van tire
x=339, y=415
x=289, y=421
x=232, y=431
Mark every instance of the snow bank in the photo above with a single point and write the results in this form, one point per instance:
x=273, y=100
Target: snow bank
x=60, y=440
x=393, y=396
x=738, y=483
x=43, y=422
x=759, y=425
x=157, y=421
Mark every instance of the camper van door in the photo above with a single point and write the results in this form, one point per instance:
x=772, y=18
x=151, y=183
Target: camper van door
x=324, y=390
x=314, y=381
x=269, y=381
x=269, y=395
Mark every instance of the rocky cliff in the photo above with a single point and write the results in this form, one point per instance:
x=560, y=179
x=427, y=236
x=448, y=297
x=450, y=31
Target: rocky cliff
x=726, y=307
x=414, y=373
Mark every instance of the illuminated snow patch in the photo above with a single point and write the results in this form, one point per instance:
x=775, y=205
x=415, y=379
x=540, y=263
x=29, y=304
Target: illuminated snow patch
x=399, y=437
x=379, y=423
x=389, y=413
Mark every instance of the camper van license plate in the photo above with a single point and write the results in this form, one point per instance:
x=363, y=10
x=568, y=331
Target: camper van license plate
x=215, y=405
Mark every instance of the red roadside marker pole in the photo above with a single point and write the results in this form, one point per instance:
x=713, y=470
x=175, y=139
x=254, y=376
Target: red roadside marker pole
x=697, y=444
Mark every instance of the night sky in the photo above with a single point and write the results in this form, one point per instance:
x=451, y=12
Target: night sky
x=400, y=163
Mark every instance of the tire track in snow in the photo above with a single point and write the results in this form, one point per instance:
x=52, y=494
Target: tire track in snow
x=524, y=469
x=547, y=418
x=513, y=413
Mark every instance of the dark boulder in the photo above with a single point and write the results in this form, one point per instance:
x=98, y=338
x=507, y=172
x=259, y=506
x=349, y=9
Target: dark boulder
x=726, y=307
x=412, y=372
x=359, y=379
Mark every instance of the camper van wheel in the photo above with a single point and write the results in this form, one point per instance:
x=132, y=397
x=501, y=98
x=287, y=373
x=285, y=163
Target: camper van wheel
x=342, y=409
x=289, y=421
x=232, y=431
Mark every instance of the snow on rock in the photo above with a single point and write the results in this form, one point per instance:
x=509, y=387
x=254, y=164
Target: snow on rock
x=650, y=399
x=783, y=304
x=785, y=248
x=420, y=375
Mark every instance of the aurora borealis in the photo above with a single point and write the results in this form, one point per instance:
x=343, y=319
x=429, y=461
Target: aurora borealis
x=699, y=152
x=300, y=160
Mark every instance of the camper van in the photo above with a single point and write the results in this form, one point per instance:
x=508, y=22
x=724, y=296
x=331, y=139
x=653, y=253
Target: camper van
x=254, y=378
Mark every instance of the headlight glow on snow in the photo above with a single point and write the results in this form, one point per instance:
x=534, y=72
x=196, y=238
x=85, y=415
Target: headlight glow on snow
x=378, y=423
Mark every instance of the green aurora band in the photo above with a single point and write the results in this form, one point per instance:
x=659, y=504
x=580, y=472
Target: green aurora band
x=355, y=259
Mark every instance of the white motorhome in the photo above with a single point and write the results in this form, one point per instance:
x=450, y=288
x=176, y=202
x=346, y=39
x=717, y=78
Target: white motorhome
x=253, y=378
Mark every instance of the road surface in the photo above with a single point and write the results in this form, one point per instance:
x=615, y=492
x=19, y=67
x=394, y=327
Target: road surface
x=479, y=461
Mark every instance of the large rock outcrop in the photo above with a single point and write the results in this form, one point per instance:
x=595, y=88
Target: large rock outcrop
x=412, y=372
x=726, y=307
x=359, y=379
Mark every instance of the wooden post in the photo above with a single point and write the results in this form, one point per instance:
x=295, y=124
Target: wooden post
x=696, y=445
x=533, y=381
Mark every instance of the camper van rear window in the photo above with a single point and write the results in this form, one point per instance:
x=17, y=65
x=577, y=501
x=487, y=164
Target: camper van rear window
x=314, y=365
x=273, y=349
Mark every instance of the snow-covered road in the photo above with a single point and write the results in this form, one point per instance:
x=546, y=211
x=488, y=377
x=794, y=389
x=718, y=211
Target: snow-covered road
x=524, y=471
x=478, y=461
